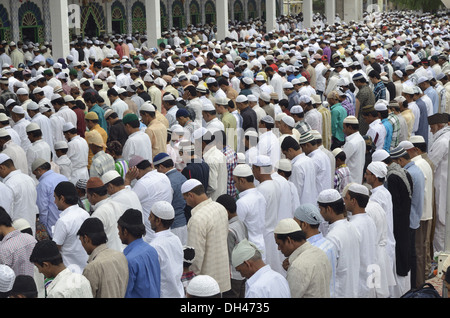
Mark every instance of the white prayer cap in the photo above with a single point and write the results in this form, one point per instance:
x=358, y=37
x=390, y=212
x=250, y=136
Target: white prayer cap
x=189, y=185
x=22, y=91
x=262, y=161
x=422, y=79
x=284, y=165
x=241, y=99
x=32, y=127
x=329, y=196
x=242, y=170
x=359, y=188
x=378, y=168
x=68, y=126
x=288, y=85
x=380, y=105
x=286, y=226
x=380, y=155
x=280, y=116
x=207, y=106
x=3, y=158
x=164, y=210
x=240, y=158
x=251, y=133
x=297, y=109
x=7, y=278
x=148, y=107
x=417, y=139
x=61, y=145
x=109, y=176
x=337, y=151
x=3, y=131
x=32, y=106
x=18, y=110
x=268, y=119
x=305, y=99
x=203, y=286
x=252, y=98
x=21, y=224
x=288, y=120
x=308, y=213
x=68, y=98
x=242, y=252
x=351, y=120
x=405, y=144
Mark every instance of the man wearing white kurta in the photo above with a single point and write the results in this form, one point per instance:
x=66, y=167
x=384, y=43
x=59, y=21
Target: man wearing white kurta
x=150, y=187
x=438, y=154
x=138, y=142
x=170, y=250
x=15, y=152
x=268, y=144
x=355, y=149
x=270, y=189
x=108, y=211
x=251, y=206
x=367, y=233
x=24, y=192
x=78, y=154
x=66, y=227
x=345, y=236
x=43, y=122
x=303, y=171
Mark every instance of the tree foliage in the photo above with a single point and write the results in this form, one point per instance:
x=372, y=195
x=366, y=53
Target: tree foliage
x=425, y=5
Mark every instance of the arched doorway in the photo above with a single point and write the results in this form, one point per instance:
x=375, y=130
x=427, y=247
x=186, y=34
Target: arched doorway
x=178, y=14
x=31, y=24
x=5, y=25
x=252, y=9
x=164, y=19
x=92, y=20
x=118, y=18
x=238, y=11
x=194, y=10
x=210, y=12
x=138, y=14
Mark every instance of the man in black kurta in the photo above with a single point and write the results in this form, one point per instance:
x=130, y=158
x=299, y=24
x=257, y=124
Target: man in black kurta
x=400, y=185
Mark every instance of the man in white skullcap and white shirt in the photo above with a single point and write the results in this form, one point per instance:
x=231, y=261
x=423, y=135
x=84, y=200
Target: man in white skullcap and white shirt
x=354, y=148
x=169, y=248
x=13, y=150
x=303, y=170
x=62, y=160
x=43, y=121
x=20, y=126
x=268, y=144
x=262, y=280
x=78, y=153
x=375, y=173
x=262, y=170
x=251, y=205
x=118, y=192
x=207, y=234
x=24, y=191
x=5, y=123
x=345, y=236
x=356, y=199
x=39, y=148
x=321, y=161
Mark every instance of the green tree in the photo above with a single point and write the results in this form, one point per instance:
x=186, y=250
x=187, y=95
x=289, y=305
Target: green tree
x=425, y=5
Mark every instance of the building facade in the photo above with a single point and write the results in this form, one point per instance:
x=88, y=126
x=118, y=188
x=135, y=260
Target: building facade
x=30, y=19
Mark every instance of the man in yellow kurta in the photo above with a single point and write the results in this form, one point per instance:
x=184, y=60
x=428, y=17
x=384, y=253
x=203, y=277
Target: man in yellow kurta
x=156, y=130
x=91, y=120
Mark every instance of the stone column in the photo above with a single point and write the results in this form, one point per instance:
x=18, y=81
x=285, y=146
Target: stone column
x=108, y=17
x=153, y=14
x=60, y=28
x=352, y=10
x=307, y=9
x=129, y=13
x=330, y=11
x=271, y=15
x=222, y=19
x=14, y=16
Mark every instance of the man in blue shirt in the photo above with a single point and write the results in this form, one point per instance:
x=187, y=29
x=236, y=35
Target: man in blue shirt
x=48, y=180
x=425, y=85
x=143, y=264
x=164, y=164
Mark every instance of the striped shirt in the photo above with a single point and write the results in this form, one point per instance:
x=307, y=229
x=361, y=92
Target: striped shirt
x=15, y=251
x=395, y=122
x=329, y=248
x=341, y=178
x=379, y=90
x=232, y=160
